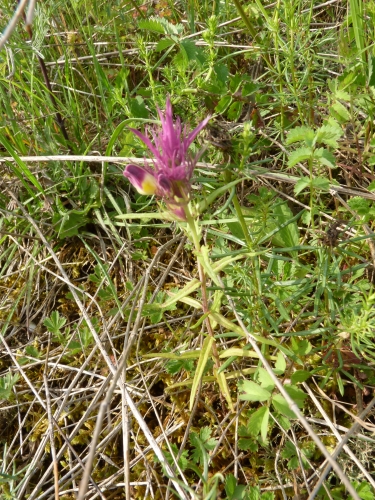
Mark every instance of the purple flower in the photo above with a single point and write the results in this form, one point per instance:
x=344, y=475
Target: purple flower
x=172, y=164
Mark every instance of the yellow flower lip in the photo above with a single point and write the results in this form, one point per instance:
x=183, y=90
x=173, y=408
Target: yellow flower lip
x=143, y=181
x=149, y=185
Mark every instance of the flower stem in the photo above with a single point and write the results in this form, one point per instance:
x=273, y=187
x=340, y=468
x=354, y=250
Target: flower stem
x=202, y=276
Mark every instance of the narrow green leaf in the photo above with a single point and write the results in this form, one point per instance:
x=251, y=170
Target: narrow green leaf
x=237, y=351
x=187, y=290
x=206, y=202
x=264, y=425
x=202, y=361
x=224, y=389
x=22, y=171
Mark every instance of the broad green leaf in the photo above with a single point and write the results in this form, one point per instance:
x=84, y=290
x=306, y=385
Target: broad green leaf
x=280, y=404
x=288, y=235
x=299, y=155
x=256, y=422
x=264, y=425
x=300, y=376
x=137, y=107
x=301, y=347
x=297, y=394
x=223, y=104
x=160, y=25
x=192, y=51
x=252, y=391
x=163, y=44
x=340, y=112
x=235, y=110
x=32, y=351
x=360, y=205
x=6, y=385
x=301, y=184
x=202, y=361
x=320, y=183
x=280, y=364
x=265, y=379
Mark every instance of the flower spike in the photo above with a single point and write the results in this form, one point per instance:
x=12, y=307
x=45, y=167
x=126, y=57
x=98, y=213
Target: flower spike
x=173, y=166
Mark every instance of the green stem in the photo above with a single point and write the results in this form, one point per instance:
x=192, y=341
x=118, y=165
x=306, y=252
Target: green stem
x=202, y=276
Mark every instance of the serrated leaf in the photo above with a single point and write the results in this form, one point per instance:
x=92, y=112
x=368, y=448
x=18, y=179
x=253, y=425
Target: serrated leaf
x=301, y=347
x=301, y=184
x=299, y=155
x=160, y=25
x=325, y=157
x=205, y=436
x=247, y=444
x=360, y=205
x=301, y=134
x=163, y=44
x=343, y=95
x=252, y=391
x=192, y=51
x=320, y=183
x=151, y=24
x=32, y=351
x=329, y=134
